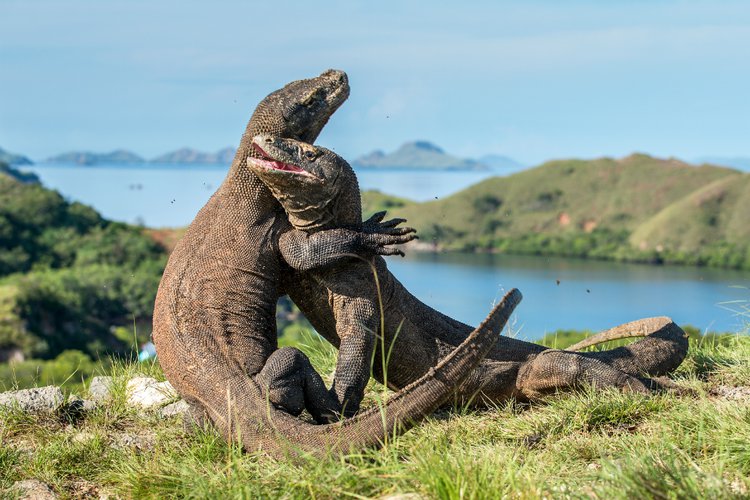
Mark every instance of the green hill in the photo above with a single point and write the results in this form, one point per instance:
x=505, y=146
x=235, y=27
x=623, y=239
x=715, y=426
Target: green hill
x=68, y=277
x=635, y=208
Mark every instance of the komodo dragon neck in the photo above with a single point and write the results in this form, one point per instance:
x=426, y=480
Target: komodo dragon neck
x=299, y=111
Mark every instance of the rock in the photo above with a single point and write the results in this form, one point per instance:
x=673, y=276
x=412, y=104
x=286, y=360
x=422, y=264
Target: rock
x=100, y=388
x=730, y=392
x=147, y=393
x=40, y=399
x=175, y=409
x=32, y=489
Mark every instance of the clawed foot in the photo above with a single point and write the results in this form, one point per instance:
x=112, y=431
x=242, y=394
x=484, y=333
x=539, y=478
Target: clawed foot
x=553, y=370
x=379, y=235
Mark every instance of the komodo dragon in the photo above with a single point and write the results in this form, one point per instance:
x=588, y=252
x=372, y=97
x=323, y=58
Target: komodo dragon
x=416, y=336
x=319, y=192
x=214, y=322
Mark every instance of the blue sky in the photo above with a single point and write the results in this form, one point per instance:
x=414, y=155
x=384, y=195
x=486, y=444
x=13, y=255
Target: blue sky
x=533, y=80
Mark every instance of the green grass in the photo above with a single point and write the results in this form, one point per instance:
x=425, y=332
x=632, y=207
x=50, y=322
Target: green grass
x=590, y=443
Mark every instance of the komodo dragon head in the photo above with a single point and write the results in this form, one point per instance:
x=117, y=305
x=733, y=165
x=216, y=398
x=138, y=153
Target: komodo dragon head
x=317, y=188
x=300, y=109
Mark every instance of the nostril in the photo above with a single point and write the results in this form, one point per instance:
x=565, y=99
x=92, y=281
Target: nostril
x=269, y=140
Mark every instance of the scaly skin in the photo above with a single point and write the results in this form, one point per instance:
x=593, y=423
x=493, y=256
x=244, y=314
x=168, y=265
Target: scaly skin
x=214, y=316
x=343, y=306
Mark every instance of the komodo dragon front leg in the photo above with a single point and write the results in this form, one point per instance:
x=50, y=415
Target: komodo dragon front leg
x=311, y=184
x=290, y=381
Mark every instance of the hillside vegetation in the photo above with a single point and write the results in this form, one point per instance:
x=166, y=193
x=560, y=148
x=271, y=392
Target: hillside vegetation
x=68, y=277
x=636, y=208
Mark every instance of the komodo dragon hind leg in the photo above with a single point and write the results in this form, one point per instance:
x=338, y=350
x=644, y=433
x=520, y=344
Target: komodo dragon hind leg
x=291, y=384
x=662, y=349
x=554, y=370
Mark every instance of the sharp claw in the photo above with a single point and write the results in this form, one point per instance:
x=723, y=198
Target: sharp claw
x=393, y=222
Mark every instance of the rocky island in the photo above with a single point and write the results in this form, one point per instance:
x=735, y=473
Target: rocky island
x=87, y=158
x=417, y=155
x=188, y=155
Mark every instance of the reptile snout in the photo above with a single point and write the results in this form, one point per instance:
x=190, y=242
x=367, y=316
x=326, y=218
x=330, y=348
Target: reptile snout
x=336, y=75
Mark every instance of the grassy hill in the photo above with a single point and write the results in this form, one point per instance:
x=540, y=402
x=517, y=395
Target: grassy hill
x=634, y=208
x=716, y=216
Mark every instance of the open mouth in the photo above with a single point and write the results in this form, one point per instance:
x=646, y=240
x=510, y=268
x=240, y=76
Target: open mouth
x=266, y=161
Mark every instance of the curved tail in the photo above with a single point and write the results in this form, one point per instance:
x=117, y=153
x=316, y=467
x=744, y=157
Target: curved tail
x=239, y=410
x=662, y=350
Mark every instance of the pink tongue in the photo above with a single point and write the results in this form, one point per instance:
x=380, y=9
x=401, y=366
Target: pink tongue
x=278, y=165
x=275, y=164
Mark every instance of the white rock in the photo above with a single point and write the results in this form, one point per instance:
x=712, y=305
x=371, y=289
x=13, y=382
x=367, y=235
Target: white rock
x=100, y=388
x=32, y=489
x=147, y=393
x=33, y=400
x=175, y=409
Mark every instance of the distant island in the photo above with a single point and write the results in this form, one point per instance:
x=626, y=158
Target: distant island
x=187, y=155
x=123, y=157
x=411, y=155
x=88, y=158
x=13, y=159
x=418, y=155
x=503, y=164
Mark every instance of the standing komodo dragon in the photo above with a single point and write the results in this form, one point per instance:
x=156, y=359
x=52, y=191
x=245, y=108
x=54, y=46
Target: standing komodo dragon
x=214, y=316
x=415, y=336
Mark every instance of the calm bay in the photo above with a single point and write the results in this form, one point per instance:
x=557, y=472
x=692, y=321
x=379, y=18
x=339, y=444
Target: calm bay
x=558, y=293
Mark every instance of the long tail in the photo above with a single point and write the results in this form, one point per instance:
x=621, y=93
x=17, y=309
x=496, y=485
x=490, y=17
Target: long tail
x=662, y=350
x=239, y=410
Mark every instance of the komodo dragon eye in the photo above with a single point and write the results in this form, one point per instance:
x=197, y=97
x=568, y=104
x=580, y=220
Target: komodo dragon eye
x=310, y=155
x=312, y=98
